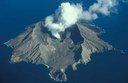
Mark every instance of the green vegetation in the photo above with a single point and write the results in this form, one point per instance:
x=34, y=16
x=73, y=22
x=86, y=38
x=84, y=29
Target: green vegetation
x=55, y=41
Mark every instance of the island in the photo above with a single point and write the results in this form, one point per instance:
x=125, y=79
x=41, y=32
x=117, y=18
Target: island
x=36, y=45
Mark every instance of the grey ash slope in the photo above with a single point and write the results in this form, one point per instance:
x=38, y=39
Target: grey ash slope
x=37, y=46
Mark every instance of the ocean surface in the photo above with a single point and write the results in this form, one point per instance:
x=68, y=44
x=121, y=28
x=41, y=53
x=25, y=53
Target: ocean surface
x=107, y=67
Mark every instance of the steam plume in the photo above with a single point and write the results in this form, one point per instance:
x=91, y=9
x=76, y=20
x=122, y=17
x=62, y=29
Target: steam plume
x=69, y=13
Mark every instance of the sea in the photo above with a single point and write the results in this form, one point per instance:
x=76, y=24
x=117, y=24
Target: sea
x=106, y=67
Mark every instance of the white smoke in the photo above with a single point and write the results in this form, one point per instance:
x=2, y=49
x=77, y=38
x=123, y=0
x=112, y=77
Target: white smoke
x=65, y=16
x=69, y=13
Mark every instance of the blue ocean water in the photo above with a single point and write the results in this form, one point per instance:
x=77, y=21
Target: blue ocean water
x=107, y=67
